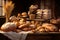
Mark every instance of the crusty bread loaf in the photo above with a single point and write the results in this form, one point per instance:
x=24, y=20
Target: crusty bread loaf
x=8, y=27
x=50, y=27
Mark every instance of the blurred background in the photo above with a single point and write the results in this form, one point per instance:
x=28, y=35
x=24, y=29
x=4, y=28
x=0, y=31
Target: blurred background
x=23, y=6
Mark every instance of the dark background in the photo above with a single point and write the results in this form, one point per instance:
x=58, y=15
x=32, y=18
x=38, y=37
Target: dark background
x=57, y=8
x=23, y=5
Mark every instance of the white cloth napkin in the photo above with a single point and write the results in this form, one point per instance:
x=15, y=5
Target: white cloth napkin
x=16, y=36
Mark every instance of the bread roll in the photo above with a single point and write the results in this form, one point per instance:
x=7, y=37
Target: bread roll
x=53, y=21
x=17, y=23
x=12, y=18
x=23, y=26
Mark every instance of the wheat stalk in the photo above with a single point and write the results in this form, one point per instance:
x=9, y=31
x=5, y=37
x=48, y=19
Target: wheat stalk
x=8, y=7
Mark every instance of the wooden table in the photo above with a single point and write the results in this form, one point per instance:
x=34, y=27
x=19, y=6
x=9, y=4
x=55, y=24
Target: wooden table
x=44, y=36
x=39, y=36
